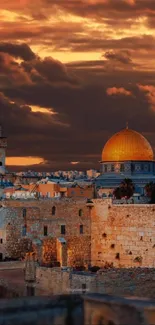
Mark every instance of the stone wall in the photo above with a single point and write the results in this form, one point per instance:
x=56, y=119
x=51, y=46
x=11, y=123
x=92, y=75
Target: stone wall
x=138, y=282
x=51, y=281
x=123, y=235
x=60, y=281
x=12, y=244
x=38, y=216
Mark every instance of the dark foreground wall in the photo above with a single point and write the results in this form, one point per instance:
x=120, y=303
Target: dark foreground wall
x=75, y=310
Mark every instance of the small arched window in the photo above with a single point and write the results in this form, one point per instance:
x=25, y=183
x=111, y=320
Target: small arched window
x=80, y=213
x=24, y=213
x=53, y=210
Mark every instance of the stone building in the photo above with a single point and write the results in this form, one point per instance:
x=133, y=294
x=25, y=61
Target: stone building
x=57, y=230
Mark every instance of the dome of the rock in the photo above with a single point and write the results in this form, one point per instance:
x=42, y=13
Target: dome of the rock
x=127, y=145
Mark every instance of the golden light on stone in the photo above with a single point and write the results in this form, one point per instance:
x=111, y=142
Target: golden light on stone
x=127, y=145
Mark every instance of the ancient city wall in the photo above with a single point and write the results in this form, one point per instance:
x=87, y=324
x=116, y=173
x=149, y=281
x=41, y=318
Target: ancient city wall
x=138, y=282
x=123, y=235
x=57, y=281
x=119, y=235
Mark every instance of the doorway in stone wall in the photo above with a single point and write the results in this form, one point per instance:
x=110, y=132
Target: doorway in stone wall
x=30, y=291
x=1, y=257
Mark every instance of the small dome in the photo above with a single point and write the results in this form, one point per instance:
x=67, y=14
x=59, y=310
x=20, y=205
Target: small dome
x=127, y=145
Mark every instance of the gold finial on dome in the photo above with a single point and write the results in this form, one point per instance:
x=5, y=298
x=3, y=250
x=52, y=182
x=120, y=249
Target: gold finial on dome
x=127, y=125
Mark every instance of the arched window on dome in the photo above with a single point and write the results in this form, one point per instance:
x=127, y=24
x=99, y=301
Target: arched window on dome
x=80, y=213
x=0, y=163
x=53, y=210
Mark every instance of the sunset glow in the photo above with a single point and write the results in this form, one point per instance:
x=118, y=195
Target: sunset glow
x=23, y=161
x=71, y=73
x=41, y=110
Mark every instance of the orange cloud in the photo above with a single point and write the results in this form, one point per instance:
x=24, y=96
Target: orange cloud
x=24, y=161
x=74, y=162
x=42, y=110
x=118, y=91
x=150, y=94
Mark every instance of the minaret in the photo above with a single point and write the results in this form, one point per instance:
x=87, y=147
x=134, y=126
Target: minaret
x=3, y=146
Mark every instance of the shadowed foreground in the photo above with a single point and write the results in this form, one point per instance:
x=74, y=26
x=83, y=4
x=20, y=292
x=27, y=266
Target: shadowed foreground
x=92, y=309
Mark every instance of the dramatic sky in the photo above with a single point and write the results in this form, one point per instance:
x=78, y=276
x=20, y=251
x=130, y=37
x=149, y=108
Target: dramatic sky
x=72, y=72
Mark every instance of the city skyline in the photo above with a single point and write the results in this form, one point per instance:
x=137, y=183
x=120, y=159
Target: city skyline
x=71, y=75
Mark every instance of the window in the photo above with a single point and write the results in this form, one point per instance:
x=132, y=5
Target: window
x=112, y=168
x=45, y=231
x=0, y=163
x=80, y=213
x=24, y=230
x=24, y=213
x=83, y=287
x=105, y=168
x=1, y=241
x=122, y=168
x=53, y=210
x=63, y=229
x=81, y=229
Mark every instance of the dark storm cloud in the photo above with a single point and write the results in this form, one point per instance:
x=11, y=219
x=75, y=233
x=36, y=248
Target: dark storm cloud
x=80, y=44
x=85, y=115
x=11, y=73
x=91, y=114
x=50, y=69
x=112, y=10
x=37, y=70
x=123, y=57
x=22, y=51
x=11, y=31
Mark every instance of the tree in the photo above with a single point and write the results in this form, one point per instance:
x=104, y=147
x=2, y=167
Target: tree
x=125, y=189
x=150, y=192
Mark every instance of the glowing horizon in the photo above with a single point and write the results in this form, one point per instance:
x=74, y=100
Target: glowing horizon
x=24, y=161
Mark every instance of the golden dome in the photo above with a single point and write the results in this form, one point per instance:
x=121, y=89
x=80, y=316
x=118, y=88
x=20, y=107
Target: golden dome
x=127, y=145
